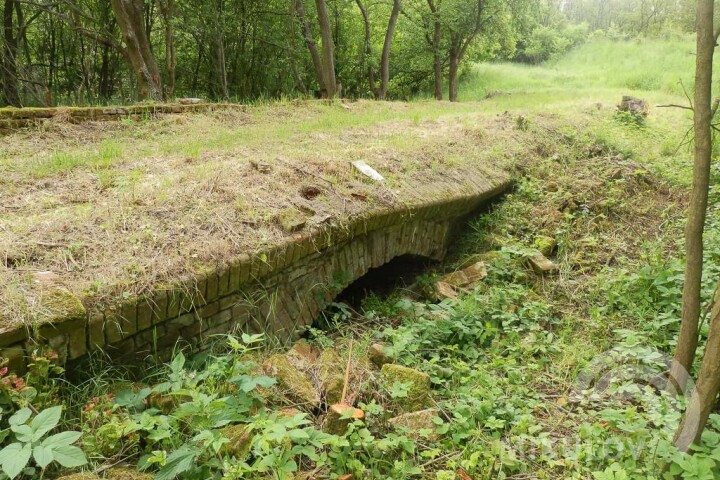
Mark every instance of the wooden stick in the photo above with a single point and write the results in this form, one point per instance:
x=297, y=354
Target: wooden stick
x=347, y=373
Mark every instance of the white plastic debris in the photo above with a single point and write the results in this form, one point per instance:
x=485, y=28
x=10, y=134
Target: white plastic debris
x=367, y=170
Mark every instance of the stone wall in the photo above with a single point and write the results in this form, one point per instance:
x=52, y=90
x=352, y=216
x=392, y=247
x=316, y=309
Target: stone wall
x=13, y=118
x=279, y=291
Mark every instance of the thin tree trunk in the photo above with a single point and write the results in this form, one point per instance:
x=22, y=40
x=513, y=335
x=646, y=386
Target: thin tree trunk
x=167, y=10
x=437, y=56
x=9, y=57
x=385, y=58
x=312, y=46
x=368, y=48
x=453, y=76
x=688, y=338
x=328, y=49
x=704, y=396
x=130, y=18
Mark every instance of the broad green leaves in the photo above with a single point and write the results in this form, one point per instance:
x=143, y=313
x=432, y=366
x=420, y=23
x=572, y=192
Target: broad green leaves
x=29, y=444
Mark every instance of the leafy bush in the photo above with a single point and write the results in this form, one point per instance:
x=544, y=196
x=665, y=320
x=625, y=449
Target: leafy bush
x=545, y=43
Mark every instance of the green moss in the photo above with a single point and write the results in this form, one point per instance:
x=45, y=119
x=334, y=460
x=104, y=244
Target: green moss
x=291, y=381
x=240, y=437
x=124, y=473
x=546, y=245
x=417, y=382
x=59, y=305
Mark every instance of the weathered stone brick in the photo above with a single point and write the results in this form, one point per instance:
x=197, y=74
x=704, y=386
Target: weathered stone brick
x=209, y=309
x=159, y=307
x=77, y=342
x=224, y=282
x=144, y=314
x=113, y=329
x=96, y=332
x=213, y=288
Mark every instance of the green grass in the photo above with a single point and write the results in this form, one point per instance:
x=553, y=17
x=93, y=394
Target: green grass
x=597, y=67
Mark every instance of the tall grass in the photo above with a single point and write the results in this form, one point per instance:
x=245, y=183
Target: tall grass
x=641, y=65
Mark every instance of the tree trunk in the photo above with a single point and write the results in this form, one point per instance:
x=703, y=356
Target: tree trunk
x=368, y=48
x=385, y=58
x=328, y=49
x=437, y=55
x=130, y=19
x=167, y=10
x=688, y=338
x=312, y=46
x=704, y=396
x=11, y=94
x=453, y=76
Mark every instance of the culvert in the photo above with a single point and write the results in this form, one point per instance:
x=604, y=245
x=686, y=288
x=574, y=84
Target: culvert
x=278, y=290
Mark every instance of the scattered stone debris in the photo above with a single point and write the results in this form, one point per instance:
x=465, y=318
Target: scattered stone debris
x=417, y=422
x=330, y=377
x=47, y=279
x=634, y=105
x=546, y=245
x=191, y=101
x=292, y=220
x=451, y=284
x=126, y=473
x=261, y=167
x=340, y=416
x=367, y=170
x=296, y=386
x=444, y=291
x=417, y=383
x=379, y=355
x=541, y=265
x=466, y=277
x=240, y=437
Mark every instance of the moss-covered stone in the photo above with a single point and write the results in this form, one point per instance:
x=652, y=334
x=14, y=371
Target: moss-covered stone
x=126, y=473
x=292, y=220
x=339, y=417
x=330, y=375
x=417, y=423
x=59, y=306
x=240, y=437
x=418, y=386
x=379, y=354
x=80, y=476
x=296, y=386
x=545, y=245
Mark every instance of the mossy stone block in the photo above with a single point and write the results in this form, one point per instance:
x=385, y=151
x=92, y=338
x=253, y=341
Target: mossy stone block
x=418, y=386
x=292, y=220
x=291, y=381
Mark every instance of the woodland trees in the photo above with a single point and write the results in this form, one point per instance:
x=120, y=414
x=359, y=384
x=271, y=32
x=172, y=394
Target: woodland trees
x=90, y=51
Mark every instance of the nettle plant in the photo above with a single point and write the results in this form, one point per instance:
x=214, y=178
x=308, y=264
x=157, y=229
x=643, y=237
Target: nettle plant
x=31, y=447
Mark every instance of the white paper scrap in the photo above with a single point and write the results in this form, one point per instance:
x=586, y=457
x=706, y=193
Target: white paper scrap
x=366, y=169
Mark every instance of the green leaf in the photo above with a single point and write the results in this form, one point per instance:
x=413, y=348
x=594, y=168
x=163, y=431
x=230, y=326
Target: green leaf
x=23, y=433
x=14, y=458
x=43, y=456
x=62, y=438
x=69, y=456
x=20, y=417
x=45, y=421
x=181, y=460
